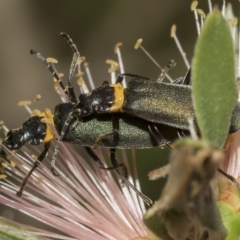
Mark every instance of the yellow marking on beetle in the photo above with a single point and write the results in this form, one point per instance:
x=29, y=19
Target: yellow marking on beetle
x=47, y=115
x=118, y=97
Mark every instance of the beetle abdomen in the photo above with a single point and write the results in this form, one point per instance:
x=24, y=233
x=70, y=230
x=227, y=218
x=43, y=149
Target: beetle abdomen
x=163, y=103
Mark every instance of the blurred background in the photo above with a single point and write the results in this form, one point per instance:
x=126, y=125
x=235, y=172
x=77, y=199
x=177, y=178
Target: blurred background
x=95, y=26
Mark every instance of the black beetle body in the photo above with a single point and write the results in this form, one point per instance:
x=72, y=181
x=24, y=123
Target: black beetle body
x=133, y=132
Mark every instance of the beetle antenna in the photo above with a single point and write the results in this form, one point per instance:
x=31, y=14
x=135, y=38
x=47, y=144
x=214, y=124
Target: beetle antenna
x=172, y=63
x=74, y=63
x=36, y=164
x=54, y=73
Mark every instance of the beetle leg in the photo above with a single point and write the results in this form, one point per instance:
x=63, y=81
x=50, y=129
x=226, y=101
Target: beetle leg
x=158, y=135
x=102, y=137
x=97, y=160
x=115, y=124
x=36, y=164
x=62, y=134
x=181, y=133
x=115, y=164
x=115, y=133
x=54, y=172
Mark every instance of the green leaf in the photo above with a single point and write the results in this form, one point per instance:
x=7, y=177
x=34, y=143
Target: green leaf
x=11, y=234
x=213, y=79
x=231, y=219
x=187, y=204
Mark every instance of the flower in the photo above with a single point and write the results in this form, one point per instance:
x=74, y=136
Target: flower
x=83, y=202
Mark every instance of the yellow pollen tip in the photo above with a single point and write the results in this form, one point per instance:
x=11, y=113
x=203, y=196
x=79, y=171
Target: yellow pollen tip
x=80, y=74
x=173, y=30
x=138, y=43
x=111, y=62
x=48, y=112
x=194, y=5
x=85, y=64
x=35, y=112
x=37, y=97
x=233, y=22
x=24, y=103
x=81, y=59
x=56, y=86
x=3, y=176
x=13, y=164
x=80, y=81
x=113, y=69
x=201, y=13
x=11, y=157
x=60, y=75
x=46, y=120
x=51, y=60
x=3, y=164
x=117, y=46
